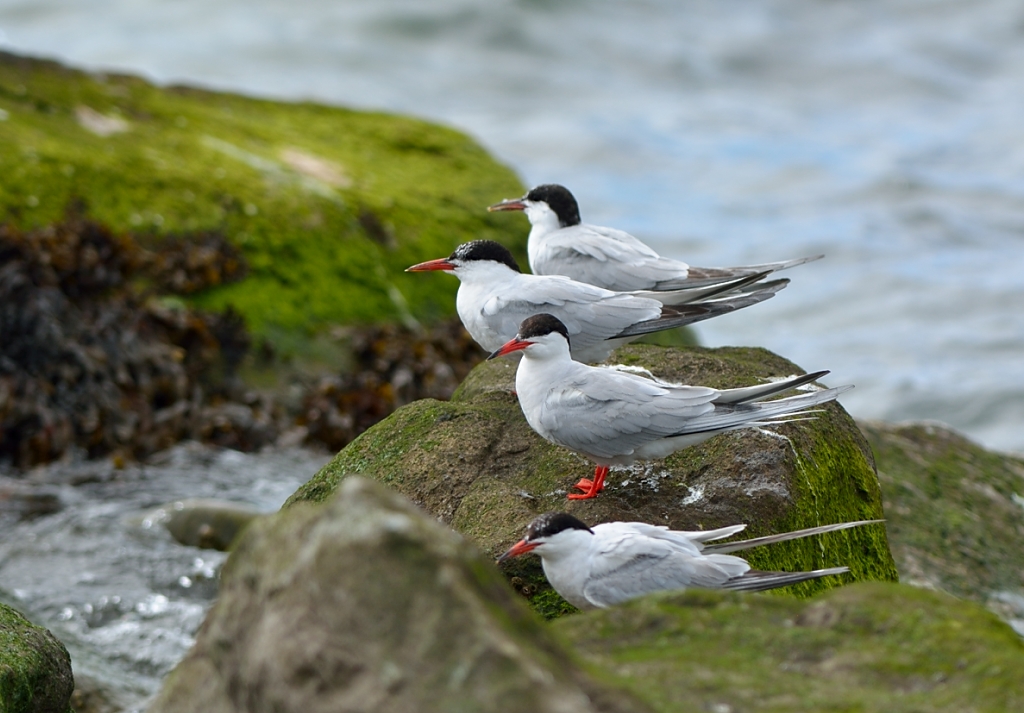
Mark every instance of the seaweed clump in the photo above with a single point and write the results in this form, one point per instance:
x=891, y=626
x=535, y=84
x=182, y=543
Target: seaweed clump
x=100, y=355
x=89, y=357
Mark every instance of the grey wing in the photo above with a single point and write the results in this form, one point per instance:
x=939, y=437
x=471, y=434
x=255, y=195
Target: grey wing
x=639, y=565
x=584, y=309
x=607, y=413
x=607, y=257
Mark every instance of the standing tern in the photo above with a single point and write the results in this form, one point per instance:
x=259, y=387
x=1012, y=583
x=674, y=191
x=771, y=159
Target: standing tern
x=616, y=418
x=560, y=244
x=603, y=565
x=495, y=297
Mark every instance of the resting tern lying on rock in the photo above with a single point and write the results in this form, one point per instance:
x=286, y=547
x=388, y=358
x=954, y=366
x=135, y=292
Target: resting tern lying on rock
x=560, y=244
x=495, y=297
x=615, y=418
x=607, y=564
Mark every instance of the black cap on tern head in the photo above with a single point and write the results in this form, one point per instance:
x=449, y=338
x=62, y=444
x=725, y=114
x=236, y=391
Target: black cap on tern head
x=552, y=523
x=484, y=250
x=541, y=324
x=560, y=200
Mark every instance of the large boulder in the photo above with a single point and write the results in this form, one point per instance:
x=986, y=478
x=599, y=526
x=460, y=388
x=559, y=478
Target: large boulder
x=35, y=668
x=368, y=604
x=327, y=206
x=476, y=465
x=866, y=647
x=955, y=513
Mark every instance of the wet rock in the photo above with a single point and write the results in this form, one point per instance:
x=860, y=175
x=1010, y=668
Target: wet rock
x=35, y=668
x=475, y=464
x=202, y=522
x=864, y=647
x=955, y=512
x=88, y=362
x=369, y=604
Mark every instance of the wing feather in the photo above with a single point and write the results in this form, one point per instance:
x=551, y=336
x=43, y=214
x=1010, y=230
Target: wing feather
x=634, y=565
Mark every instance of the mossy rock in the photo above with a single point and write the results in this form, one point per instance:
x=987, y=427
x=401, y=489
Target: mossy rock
x=328, y=205
x=476, y=464
x=35, y=668
x=955, y=510
x=866, y=647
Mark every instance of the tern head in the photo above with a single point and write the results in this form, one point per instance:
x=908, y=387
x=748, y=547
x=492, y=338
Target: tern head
x=541, y=336
x=549, y=533
x=469, y=255
x=548, y=204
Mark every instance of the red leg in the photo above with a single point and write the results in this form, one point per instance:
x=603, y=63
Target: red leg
x=589, y=487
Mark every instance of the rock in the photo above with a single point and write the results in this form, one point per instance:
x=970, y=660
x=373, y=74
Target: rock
x=475, y=464
x=91, y=696
x=35, y=668
x=207, y=523
x=864, y=647
x=144, y=230
x=326, y=206
x=955, y=512
x=369, y=604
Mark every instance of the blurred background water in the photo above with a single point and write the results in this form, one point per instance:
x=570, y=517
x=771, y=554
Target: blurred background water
x=888, y=134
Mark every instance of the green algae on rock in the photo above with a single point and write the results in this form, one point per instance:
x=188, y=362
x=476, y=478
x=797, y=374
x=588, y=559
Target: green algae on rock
x=327, y=205
x=865, y=647
x=955, y=510
x=475, y=464
x=369, y=604
x=35, y=668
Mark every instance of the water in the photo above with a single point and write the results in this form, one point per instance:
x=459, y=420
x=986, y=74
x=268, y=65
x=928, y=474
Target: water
x=886, y=134
x=111, y=583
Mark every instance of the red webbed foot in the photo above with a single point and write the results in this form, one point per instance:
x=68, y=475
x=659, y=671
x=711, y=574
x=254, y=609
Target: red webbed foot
x=590, y=487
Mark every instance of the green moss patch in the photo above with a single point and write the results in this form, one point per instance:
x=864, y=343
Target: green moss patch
x=327, y=205
x=867, y=647
x=35, y=668
x=955, y=510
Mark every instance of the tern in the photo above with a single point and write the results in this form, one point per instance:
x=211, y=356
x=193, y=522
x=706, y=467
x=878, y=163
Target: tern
x=494, y=297
x=560, y=244
x=600, y=566
x=616, y=418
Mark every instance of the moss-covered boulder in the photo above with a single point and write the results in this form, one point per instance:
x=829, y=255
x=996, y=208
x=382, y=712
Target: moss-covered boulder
x=35, y=668
x=368, y=604
x=475, y=464
x=955, y=510
x=328, y=206
x=866, y=647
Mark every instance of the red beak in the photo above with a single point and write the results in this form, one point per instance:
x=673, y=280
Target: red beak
x=440, y=264
x=520, y=548
x=513, y=345
x=510, y=204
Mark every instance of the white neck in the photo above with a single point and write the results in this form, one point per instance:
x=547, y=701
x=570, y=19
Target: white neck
x=481, y=280
x=566, y=560
x=544, y=221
